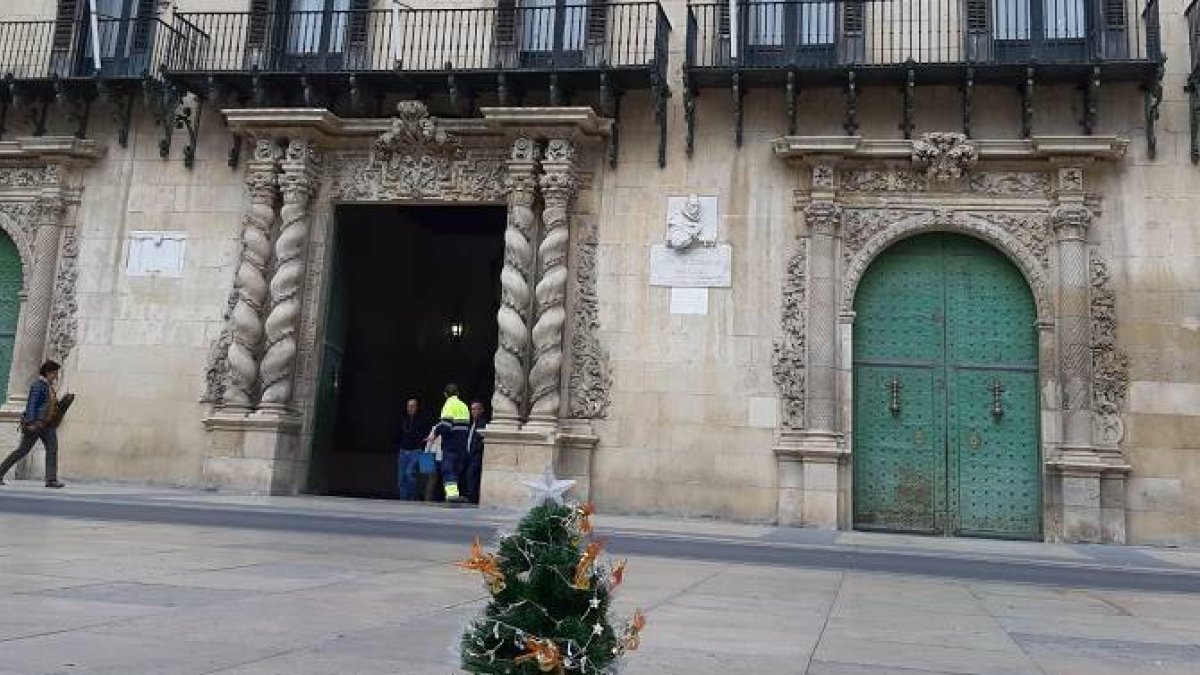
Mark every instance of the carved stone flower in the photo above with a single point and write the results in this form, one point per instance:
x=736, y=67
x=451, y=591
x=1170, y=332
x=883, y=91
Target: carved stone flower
x=946, y=156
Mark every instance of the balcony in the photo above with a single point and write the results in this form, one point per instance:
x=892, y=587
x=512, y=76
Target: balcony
x=1193, y=86
x=854, y=43
x=73, y=63
x=578, y=52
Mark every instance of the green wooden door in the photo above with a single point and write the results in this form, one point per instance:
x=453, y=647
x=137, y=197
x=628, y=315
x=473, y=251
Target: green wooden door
x=333, y=346
x=10, y=305
x=945, y=392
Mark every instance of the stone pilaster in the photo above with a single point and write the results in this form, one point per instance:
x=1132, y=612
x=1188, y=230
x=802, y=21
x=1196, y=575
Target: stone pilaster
x=516, y=302
x=811, y=458
x=558, y=183
x=297, y=183
x=246, y=319
x=30, y=347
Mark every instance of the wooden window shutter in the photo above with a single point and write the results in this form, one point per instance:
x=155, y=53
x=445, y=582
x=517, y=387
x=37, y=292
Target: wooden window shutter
x=64, y=23
x=260, y=17
x=1115, y=17
x=360, y=12
x=977, y=16
x=854, y=18
x=506, y=22
x=146, y=10
x=597, y=20
x=723, y=18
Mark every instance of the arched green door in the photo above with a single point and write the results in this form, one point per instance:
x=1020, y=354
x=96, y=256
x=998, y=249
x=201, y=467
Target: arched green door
x=10, y=305
x=945, y=392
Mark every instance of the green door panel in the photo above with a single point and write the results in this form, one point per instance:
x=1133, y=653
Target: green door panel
x=10, y=305
x=947, y=318
x=900, y=471
x=994, y=454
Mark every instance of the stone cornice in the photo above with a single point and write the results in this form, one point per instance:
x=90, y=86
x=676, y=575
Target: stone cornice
x=824, y=148
x=50, y=148
x=323, y=126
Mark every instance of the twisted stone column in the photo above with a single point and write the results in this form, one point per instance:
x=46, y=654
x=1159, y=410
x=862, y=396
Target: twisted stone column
x=246, y=319
x=1071, y=220
x=30, y=347
x=558, y=189
x=516, y=299
x=297, y=183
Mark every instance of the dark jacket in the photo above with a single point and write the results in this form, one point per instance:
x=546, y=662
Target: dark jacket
x=453, y=435
x=411, y=433
x=37, y=408
x=474, y=438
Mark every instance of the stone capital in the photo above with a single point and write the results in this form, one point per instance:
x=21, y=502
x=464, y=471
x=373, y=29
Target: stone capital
x=823, y=216
x=1071, y=220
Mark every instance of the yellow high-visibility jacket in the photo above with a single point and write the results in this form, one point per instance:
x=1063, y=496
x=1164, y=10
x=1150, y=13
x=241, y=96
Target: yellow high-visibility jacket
x=454, y=409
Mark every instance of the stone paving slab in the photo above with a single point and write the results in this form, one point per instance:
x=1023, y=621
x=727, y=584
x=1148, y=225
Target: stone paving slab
x=133, y=598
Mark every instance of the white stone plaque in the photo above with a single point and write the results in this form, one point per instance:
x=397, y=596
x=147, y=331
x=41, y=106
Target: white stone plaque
x=701, y=267
x=155, y=254
x=689, y=301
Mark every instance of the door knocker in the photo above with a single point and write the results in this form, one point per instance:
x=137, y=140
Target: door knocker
x=894, y=385
x=975, y=440
x=997, y=401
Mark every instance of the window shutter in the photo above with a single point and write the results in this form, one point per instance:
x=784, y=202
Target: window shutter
x=506, y=22
x=260, y=14
x=723, y=18
x=64, y=23
x=854, y=18
x=1115, y=17
x=977, y=16
x=360, y=12
x=146, y=9
x=597, y=20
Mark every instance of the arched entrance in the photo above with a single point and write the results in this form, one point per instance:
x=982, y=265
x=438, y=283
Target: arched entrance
x=10, y=304
x=945, y=392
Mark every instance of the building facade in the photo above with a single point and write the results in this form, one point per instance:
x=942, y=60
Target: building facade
x=926, y=266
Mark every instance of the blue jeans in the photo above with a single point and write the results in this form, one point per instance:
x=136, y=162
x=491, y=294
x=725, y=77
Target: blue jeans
x=406, y=479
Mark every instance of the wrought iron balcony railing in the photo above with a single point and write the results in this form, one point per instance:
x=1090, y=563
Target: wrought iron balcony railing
x=109, y=49
x=930, y=34
x=1193, y=21
x=555, y=38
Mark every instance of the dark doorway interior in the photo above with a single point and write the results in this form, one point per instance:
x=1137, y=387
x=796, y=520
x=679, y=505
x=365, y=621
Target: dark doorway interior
x=412, y=306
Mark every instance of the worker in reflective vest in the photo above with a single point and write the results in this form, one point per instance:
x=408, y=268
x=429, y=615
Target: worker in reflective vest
x=453, y=429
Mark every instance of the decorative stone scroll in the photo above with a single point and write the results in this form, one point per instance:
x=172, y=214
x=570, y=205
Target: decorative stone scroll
x=473, y=175
x=64, y=326
x=945, y=155
x=1110, y=366
x=992, y=183
x=590, y=380
x=787, y=354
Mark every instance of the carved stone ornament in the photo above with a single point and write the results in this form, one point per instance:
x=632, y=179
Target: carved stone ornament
x=1070, y=179
x=787, y=354
x=590, y=380
x=64, y=325
x=1023, y=183
x=216, y=373
x=886, y=180
x=995, y=183
x=19, y=222
x=30, y=177
x=473, y=175
x=946, y=156
x=1071, y=216
x=1023, y=237
x=822, y=215
x=1110, y=366
x=822, y=177
x=414, y=132
x=685, y=225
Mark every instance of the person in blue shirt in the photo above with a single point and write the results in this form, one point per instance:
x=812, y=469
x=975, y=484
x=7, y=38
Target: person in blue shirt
x=39, y=423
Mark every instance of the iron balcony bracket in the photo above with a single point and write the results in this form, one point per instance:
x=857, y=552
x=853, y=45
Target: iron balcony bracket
x=1152, y=95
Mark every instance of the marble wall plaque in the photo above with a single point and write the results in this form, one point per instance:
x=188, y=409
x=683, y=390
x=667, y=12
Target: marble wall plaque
x=689, y=301
x=155, y=254
x=702, y=267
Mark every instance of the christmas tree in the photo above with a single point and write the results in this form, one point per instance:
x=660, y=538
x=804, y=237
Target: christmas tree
x=550, y=595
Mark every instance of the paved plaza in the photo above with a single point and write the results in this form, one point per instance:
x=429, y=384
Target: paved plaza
x=135, y=581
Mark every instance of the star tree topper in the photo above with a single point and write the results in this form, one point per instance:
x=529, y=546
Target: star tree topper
x=548, y=487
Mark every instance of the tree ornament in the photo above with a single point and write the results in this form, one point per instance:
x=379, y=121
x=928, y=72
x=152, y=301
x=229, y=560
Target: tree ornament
x=548, y=488
x=583, y=569
x=545, y=653
x=617, y=576
x=484, y=563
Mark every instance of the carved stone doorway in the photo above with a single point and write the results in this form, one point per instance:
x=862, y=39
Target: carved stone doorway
x=411, y=306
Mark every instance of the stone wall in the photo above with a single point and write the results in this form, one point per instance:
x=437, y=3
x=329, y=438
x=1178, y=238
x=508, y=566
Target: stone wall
x=694, y=409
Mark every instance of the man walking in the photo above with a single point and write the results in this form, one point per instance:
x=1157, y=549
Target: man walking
x=452, y=429
x=473, y=474
x=409, y=444
x=38, y=423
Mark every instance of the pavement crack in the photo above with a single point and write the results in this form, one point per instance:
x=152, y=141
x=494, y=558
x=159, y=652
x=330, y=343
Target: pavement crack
x=812, y=653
